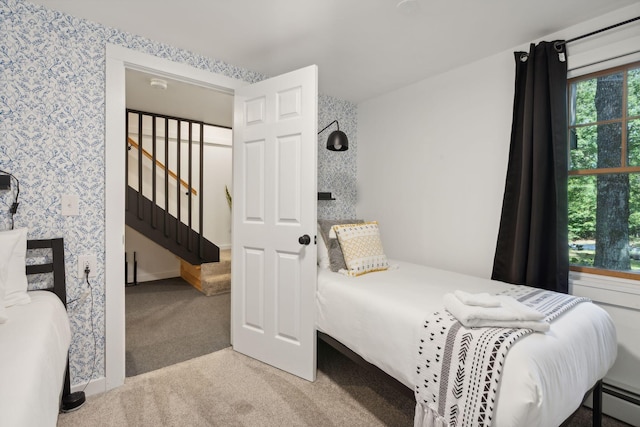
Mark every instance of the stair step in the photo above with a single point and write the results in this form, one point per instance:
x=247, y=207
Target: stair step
x=215, y=268
x=210, y=278
x=224, y=266
x=216, y=285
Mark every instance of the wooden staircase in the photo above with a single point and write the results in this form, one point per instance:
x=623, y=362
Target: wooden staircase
x=211, y=278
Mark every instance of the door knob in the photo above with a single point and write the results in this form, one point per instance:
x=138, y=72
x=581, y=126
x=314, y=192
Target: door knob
x=304, y=240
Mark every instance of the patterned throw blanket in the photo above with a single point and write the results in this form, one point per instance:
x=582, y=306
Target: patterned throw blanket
x=459, y=368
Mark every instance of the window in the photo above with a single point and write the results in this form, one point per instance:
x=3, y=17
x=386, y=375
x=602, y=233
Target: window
x=604, y=172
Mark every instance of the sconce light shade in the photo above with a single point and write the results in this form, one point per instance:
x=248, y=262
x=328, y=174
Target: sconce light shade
x=5, y=182
x=337, y=140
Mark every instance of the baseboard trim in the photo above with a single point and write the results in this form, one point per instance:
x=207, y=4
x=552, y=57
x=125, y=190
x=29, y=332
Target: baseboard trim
x=95, y=386
x=148, y=277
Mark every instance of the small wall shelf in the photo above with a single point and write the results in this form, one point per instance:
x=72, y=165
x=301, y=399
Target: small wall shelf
x=325, y=196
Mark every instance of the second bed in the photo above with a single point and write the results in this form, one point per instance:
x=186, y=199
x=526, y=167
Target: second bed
x=545, y=377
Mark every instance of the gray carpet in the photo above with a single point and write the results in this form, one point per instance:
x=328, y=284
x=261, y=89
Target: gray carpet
x=228, y=389
x=168, y=321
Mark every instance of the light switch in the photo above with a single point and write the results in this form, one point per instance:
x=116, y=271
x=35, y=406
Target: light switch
x=69, y=204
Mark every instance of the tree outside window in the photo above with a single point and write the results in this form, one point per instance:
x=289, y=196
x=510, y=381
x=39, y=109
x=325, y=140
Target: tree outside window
x=604, y=172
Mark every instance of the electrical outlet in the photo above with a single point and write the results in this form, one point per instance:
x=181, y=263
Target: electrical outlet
x=69, y=204
x=87, y=261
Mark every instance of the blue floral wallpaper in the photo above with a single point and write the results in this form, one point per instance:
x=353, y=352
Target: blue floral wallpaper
x=337, y=169
x=52, y=125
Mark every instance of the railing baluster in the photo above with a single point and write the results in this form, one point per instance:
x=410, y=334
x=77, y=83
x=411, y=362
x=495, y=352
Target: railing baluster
x=154, y=215
x=200, y=195
x=140, y=198
x=166, y=177
x=178, y=157
x=126, y=161
x=189, y=179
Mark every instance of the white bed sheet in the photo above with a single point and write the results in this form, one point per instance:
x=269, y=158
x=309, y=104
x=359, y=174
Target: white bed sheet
x=34, y=344
x=545, y=377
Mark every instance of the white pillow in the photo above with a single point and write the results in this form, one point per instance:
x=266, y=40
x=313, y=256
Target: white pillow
x=15, y=288
x=3, y=278
x=323, y=252
x=3, y=312
x=7, y=244
x=362, y=248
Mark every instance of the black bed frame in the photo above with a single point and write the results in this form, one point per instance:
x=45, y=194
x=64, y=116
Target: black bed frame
x=56, y=266
x=596, y=389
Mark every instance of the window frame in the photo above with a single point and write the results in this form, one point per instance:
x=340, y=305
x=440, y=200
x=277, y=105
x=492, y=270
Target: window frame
x=623, y=169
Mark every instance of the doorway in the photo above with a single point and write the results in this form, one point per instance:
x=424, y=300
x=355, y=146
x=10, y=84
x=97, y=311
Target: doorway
x=119, y=60
x=172, y=312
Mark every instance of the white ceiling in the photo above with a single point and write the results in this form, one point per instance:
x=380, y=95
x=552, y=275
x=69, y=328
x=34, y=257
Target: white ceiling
x=179, y=99
x=363, y=48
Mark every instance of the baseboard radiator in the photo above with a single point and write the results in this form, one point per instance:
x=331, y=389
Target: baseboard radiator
x=626, y=395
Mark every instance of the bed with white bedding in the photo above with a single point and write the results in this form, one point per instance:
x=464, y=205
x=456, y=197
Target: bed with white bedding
x=545, y=377
x=34, y=343
x=34, y=335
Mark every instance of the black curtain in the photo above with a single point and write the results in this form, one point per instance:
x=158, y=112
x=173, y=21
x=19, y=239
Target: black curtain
x=532, y=247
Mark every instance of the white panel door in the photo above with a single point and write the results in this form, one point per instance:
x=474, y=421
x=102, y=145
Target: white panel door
x=273, y=278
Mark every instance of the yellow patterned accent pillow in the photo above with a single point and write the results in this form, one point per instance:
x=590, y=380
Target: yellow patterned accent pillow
x=362, y=247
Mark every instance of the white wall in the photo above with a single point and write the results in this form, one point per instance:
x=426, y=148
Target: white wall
x=154, y=262
x=432, y=162
x=217, y=215
x=433, y=157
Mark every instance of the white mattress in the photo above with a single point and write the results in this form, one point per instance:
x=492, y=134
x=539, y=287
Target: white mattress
x=545, y=377
x=33, y=356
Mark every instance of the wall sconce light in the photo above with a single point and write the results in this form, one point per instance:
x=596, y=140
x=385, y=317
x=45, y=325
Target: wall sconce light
x=337, y=140
x=5, y=184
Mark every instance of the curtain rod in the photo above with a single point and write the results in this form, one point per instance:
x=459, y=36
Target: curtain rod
x=601, y=30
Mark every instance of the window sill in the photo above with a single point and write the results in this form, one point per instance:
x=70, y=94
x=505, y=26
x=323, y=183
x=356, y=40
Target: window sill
x=617, y=291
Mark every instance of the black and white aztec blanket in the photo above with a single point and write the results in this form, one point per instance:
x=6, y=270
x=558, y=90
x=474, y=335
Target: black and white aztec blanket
x=459, y=368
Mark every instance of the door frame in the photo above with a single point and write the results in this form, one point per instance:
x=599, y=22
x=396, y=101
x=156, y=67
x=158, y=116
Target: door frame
x=118, y=59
